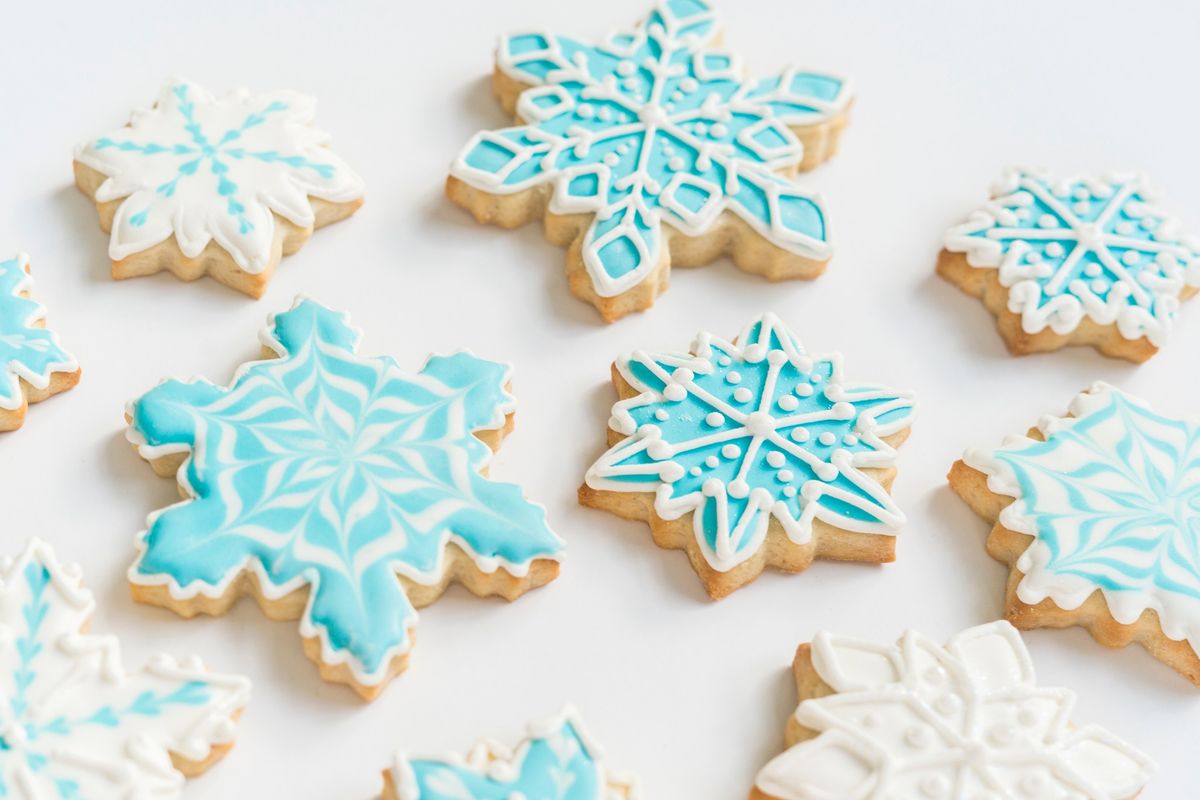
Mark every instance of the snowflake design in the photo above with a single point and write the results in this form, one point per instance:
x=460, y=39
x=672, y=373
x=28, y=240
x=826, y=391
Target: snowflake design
x=967, y=720
x=205, y=168
x=1084, y=247
x=555, y=762
x=654, y=126
x=326, y=469
x=73, y=723
x=28, y=352
x=743, y=433
x=1112, y=499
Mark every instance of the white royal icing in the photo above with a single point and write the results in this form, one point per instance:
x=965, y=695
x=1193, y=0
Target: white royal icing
x=1112, y=499
x=916, y=720
x=206, y=168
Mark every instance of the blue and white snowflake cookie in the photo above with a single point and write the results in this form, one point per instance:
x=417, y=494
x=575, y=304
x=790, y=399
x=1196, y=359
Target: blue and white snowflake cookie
x=752, y=453
x=33, y=365
x=199, y=184
x=555, y=760
x=1097, y=515
x=1085, y=260
x=75, y=723
x=338, y=489
x=653, y=148
x=920, y=720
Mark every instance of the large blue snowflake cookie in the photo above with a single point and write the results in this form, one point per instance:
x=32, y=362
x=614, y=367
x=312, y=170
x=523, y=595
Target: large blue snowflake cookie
x=752, y=453
x=336, y=488
x=1097, y=515
x=33, y=365
x=555, y=760
x=199, y=184
x=652, y=148
x=1080, y=261
x=74, y=723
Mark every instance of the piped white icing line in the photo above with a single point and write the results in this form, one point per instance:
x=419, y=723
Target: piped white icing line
x=28, y=351
x=73, y=722
x=916, y=720
x=556, y=754
x=1094, y=247
x=1112, y=499
x=204, y=168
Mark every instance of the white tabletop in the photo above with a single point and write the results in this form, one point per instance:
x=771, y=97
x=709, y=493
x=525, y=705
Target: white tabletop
x=689, y=694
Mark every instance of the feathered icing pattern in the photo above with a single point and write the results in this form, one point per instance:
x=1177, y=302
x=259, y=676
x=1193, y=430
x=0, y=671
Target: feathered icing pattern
x=28, y=351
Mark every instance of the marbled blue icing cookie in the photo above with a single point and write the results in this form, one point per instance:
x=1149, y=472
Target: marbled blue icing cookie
x=336, y=488
x=652, y=147
x=752, y=453
x=555, y=760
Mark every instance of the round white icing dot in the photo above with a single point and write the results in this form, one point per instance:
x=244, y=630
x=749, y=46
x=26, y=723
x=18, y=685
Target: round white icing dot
x=789, y=403
x=659, y=450
x=760, y=423
x=625, y=68
x=674, y=392
x=934, y=675
x=1130, y=257
x=731, y=451
x=1124, y=227
x=733, y=377
x=714, y=419
x=1081, y=193
x=804, y=389
x=1099, y=287
x=724, y=361
x=676, y=164
x=826, y=472
x=1003, y=734
x=605, y=113
x=1081, y=208
x=661, y=415
x=738, y=488
x=934, y=786
x=1047, y=221
x=786, y=476
x=743, y=395
x=917, y=736
x=630, y=84
x=850, y=440
x=776, y=459
x=1054, y=250
x=1033, y=256
x=611, y=159
x=1092, y=270
x=947, y=704
x=585, y=111
x=695, y=472
x=689, y=84
x=719, y=131
x=816, y=377
x=701, y=129
x=1043, y=270
x=670, y=472
x=789, y=491
x=799, y=435
x=842, y=410
x=1148, y=223
x=711, y=462
x=827, y=439
x=776, y=357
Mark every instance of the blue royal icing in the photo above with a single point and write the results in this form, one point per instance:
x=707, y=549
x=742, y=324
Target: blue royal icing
x=1112, y=499
x=744, y=433
x=654, y=125
x=326, y=469
x=1082, y=248
x=28, y=351
x=73, y=723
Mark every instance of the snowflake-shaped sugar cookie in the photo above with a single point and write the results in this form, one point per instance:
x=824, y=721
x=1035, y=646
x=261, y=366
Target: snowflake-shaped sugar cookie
x=1101, y=521
x=327, y=472
x=735, y=443
x=651, y=147
x=917, y=720
x=1088, y=260
x=225, y=184
x=73, y=722
x=33, y=365
x=555, y=760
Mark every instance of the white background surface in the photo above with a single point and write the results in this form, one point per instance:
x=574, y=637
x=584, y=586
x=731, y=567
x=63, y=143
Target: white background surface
x=691, y=695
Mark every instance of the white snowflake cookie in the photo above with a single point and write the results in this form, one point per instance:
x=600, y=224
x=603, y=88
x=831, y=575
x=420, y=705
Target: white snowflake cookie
x=962, y=722
x=1080, y=261
x=74, y=723
x=652, y=148
x=752, y=453
x=1097, y=515
x=33, y=365
x=555, y=760
x=224, y=186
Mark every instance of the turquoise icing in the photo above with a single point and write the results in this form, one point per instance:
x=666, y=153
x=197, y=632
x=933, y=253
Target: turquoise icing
x=738, y=433
x=330, y=469
x=26, y=350
x=554, y=766
x=653, y=125
x=1115, y=499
